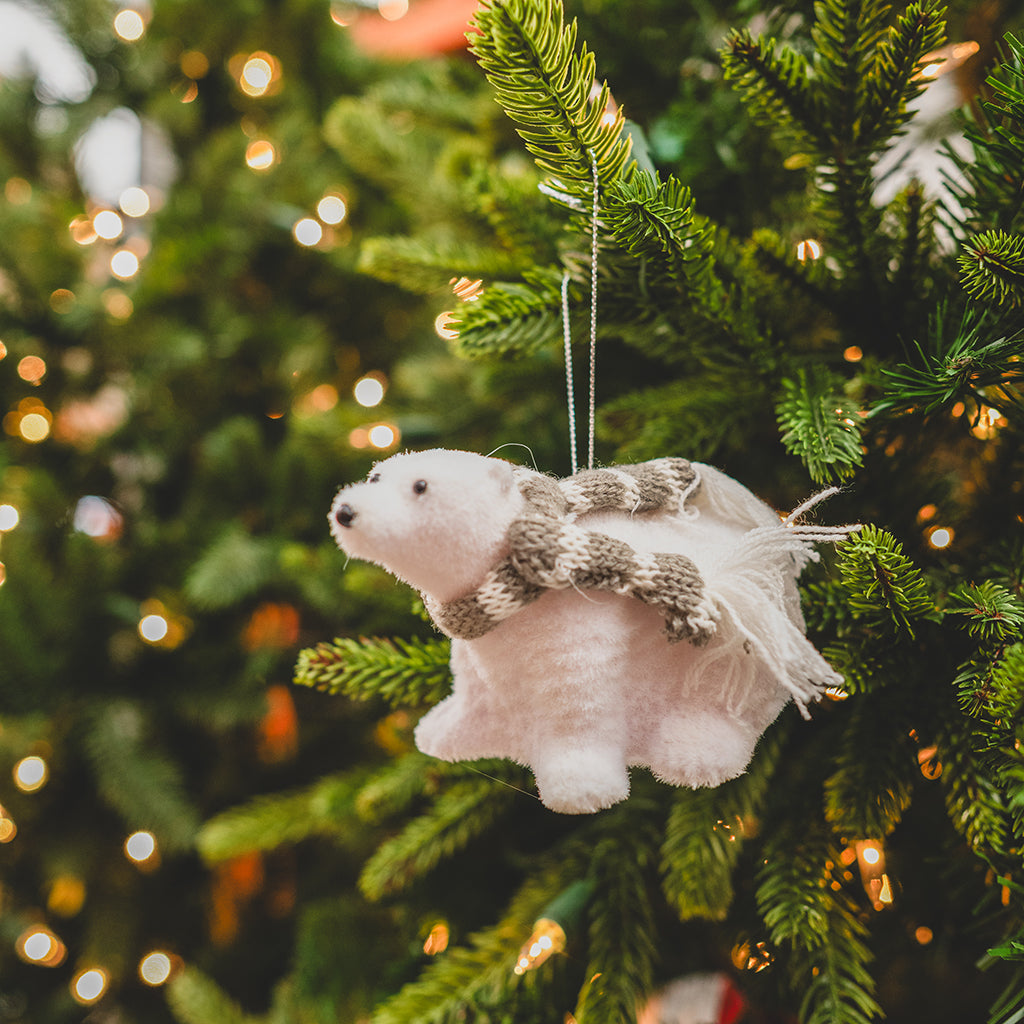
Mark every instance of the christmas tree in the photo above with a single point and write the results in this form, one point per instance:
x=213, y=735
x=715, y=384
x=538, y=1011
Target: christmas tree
x=782, y=292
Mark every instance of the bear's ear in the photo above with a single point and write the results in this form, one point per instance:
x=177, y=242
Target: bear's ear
x=502, y=473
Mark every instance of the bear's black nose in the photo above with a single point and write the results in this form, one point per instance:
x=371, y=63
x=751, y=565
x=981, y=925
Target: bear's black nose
x=345, y=515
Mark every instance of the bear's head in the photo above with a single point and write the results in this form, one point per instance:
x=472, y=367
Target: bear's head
x=437, y=519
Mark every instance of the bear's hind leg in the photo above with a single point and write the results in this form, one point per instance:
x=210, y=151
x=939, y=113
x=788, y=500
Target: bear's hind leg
x=581, y=781
x=702, y=749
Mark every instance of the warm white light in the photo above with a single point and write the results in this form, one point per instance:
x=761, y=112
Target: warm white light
x=871, y=855
x=124, y=264
x=383, y=436
x=8, y=518
x=155, y=968
x=331, y=209
x=30, y=774
x=368, y=392
x=260, y=155
x=392, y=10
x=128, y=24
x=307, y=231
x=108, y=224
x=34, y=427
x=89, y=985
x=441, y=326
x=37, y=946
x=96, y=517
x=941, y=537
x=257, y=74
x=134, y=202
x=808, y=249
x=140, y=846
x=153, y=628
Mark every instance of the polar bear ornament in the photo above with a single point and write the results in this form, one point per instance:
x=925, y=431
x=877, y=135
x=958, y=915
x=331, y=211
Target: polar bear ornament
x=637, y=615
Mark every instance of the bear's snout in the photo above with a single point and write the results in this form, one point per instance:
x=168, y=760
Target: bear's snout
x=345, y=515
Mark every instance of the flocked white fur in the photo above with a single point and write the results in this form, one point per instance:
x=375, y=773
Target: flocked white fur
x=581, y=685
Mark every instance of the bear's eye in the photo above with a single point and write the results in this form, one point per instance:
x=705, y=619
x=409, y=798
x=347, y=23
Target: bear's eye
x=419, y=487
x=373, y=478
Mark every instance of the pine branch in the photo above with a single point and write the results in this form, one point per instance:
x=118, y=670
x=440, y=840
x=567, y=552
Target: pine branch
x=964, y=364
x=394, y=789
x=196, y=999
x=519, y=318
x=481, y=971
x=994, y=613
x=885, y=587
x=235, y=566
x=876, y=766
x=974, y=802
x=135, y=777
x=774, y=87
x=621, y=947
x=402, y=672
x=461, y=813
x=428, y=266
x=820, y=426
x=992, y=268
x=267, y=822
x=894, y=79
x=822, y=927
x=704, y=837
x=529, y=56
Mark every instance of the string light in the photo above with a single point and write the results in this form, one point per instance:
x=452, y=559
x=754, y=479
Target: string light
x=31, y=773
x=153, y=628
x=260, y=155
x=155, y=968
x=808, y=249
x=117, y=303
x=140, y=847
x=853, y=354
x=871, y=859
x=124, y=264
x=940, y=537
x=8, y=518
x=393, y=10
x=467, y=290
x=89, y=985
x=134, y=202
x=383, y=435
x=546, y=939
x=342, y=14
x=62, y=300
x=369, y=391
x=332, y=208
x=442, y=328
x=307, y=232
x=259, y=74
x=97, y=518
x=129, y=25
x=752, y=956
x=32, y=369
x=989, y=422
x=108, y=224
x=437, y=941
x=40, y=946
x=8, y=828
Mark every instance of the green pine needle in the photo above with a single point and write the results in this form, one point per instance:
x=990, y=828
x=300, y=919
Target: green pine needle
x=992, y=268
x=820, y=426
x=886, y=589
x=402, y=672
x=994, y=613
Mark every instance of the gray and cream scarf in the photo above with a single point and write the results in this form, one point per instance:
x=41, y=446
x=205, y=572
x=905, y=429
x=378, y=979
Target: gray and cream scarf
x=548, y=551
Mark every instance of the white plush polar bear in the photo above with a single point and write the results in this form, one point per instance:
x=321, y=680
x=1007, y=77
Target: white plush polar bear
x=558, y=596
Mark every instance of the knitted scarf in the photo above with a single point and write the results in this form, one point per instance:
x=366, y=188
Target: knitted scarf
x=549, y=551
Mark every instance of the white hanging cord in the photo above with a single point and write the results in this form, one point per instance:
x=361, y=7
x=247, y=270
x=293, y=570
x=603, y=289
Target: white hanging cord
x=593, y=306
x=569, y=395
x=567, y=336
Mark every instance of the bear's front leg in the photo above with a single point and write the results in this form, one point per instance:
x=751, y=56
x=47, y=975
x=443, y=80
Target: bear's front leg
x=462, y=726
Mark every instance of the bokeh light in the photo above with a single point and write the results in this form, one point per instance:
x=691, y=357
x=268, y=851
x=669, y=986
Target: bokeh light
x=124, y=264
x=940, y=537
x=259, y=73
x=307, y=232
x=31, y=773
x=383, y=435
x=443, y=328
x=331, y=209
x=32, y=369
x=155, y=968
x=128, y=24
x=8, y=518
x=83, y=232
x=108, y=224
x=140, y=846
x=134, y=202
x=40, y=946
x=34, y=427
x=808, y=249
x=369, y=391
x=392, y=10
x=260, y=155
x=153, y=628
x=89, y=985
